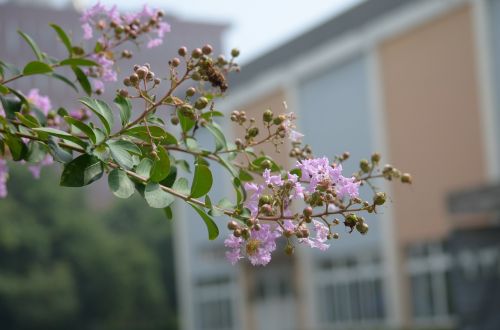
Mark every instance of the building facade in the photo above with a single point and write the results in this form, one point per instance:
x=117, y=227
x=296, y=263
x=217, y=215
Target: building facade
x=414, y=80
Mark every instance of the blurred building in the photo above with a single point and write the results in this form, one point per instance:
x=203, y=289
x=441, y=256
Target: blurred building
x=416, y=81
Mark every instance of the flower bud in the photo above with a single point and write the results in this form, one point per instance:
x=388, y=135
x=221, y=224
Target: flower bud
x=336, y=235
x=142, y=72
x=253, y=132
x=364, y=165
x=207, y=49
x=379, y=198
x=345, y=155
x=268, y=116
x=157, y=81
x=201, y=103
x=182, y=51
x=237, y=232
x=196, y=76
x=123, y=92
x=175, y=62
x=150, y=76
x=406, y=178
x=134, y=78
x=265, y=199
x=278, y=120
x=362, y=228
x=266, y=209
x=308, y=211
x=376, y=158
x=190, y=91
x=196, y=53
x=174, y=120
x=232, y=225
x=350, y=220
x=266, y=164
x=127, y=81
x=235, y=52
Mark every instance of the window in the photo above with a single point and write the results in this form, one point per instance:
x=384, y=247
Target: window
x=429, y=267
x=214, y=305
x=350, y=292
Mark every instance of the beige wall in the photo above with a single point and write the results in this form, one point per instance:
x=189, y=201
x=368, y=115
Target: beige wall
x=433, y=123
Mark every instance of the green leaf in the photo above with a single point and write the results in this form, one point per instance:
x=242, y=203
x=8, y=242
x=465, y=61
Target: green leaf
x=120, y=154
x=3, y=89
x=202, y=181
x=11, y=105
x=36, y=67
x=102, y=110
x=59, y=153
x=129, y=146
x=170, y=179
x=82, y=171
x=245, y=176
x=258, y=162
x=213, y=231
x=78, y=62
x=120, y=184
x=210, y=114
x=63, y=37
x=32, y=44
x=141, y=132
x=161, y=167
x=144, y=168
x=36, y=152
x=192, y=145
x=181, y=186
x=28, y=120
x=156, y=197
x=64, y=80
x=125, y=107
x=17, y=148
x=82, y=127
x=82, y=79
x=168, y=212
x=186, y=123
x=220, y=139
x=12, y=68
x=61, y=134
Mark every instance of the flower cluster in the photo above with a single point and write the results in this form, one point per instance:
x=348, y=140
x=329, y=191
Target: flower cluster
x=114, y=29
x=320, y=183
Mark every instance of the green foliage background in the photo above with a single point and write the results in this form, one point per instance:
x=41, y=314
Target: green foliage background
x=65, y=266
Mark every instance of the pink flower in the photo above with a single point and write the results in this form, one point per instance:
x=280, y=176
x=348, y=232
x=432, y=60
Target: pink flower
x=4, y=176
x=274, y=180
x=39, y=101
x=87, y=31
x=252, y=202
x=154, y=43
x=257, y=248
x=321, y=237
x=163, y=27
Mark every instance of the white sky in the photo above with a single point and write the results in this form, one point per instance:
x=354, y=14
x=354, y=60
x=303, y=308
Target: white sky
x=256, y=26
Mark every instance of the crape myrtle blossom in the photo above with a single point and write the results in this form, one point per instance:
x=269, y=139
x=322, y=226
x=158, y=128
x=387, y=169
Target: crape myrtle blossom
x=97, y=15
x=257, y=248
x=318, y=171
x=318, y=175
x=294, y=135
x=40, y=101
x=4, y=175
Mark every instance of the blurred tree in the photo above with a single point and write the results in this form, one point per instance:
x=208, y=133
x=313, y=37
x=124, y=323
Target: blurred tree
x=63, y=266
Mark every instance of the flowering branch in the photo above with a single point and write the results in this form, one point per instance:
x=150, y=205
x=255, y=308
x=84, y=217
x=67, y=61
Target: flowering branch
x=303, y=205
